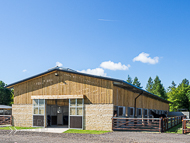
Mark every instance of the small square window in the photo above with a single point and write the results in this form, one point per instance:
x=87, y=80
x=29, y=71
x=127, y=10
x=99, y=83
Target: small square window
x=35, y=103
x=139, y=112
x=79, y=111
x=120, y=111
x=41, y=102
x=72, y=102
x=145, y=112
x=73, y=111
x=131, y=111
x=35, y=110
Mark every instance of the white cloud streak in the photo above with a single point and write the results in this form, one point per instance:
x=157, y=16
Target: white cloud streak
x=97, y=71
x=144, y=58
x=58, y=64
x=24, y=70
x=114, y=66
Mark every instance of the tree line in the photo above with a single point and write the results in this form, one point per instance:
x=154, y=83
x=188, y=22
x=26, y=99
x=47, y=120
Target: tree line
x=6, y=95
x=179, y=96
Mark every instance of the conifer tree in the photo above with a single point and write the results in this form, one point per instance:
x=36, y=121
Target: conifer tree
x=129, y=80
x=149, y=85
x=136, y=82
x=158, y=88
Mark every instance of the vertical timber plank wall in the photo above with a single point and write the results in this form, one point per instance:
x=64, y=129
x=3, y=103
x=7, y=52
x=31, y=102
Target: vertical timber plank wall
x=123, y=97
x=96, y=91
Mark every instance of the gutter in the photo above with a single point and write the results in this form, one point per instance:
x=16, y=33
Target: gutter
x=135, y=102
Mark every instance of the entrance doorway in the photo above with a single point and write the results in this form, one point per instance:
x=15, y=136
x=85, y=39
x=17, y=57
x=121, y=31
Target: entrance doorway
x=57, y=112
x=66, y=113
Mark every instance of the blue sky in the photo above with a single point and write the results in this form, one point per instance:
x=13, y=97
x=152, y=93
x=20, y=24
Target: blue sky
x=96, y=36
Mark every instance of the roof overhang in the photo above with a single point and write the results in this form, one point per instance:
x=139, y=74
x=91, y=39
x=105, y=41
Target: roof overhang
x=135, y=89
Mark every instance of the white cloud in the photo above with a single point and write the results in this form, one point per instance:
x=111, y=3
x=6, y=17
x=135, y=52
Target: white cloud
x=144, y=58
x=58, y=64
x=114, y=66
x=24, y=70
x=97, y=71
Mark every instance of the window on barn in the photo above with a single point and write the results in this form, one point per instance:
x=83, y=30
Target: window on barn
x=76, y=106
x=121, y=110
x=145, y=113
x=131, y=111
x=38, y=106
x=139, y=112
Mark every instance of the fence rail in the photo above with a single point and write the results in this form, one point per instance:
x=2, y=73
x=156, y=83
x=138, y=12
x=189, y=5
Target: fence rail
x=186, y=125
x=167, y=123
x=5, y=120
x=137, y=124
x=145, y=124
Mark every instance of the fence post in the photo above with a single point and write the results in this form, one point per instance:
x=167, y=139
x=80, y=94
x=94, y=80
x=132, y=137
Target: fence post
x=167, y=123
x=11, y=120
x=184, y=125
x=112, y=123
x=161, y=125
x=172, y=122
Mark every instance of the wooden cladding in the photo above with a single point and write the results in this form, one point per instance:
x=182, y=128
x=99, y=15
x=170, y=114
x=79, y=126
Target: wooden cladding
x=123, y=97
x=57, y=96
x=95, y=90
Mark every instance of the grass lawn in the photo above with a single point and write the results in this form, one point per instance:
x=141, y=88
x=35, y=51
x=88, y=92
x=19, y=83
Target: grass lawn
x=86, y=131
x=18, y=128
x=177, y=129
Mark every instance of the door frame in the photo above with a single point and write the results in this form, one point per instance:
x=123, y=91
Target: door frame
x=76, y=112
x=38, y=112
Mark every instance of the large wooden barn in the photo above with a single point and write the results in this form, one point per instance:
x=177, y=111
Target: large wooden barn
x=64, y=97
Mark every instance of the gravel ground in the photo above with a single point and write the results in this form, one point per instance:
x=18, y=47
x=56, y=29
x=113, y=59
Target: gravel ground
x=127, y=137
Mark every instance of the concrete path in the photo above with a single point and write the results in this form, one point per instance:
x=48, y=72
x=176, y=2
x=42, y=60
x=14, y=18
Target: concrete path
x=48, y=130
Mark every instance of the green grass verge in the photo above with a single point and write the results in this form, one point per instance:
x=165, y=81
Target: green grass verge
x=85, y=131
x=18, y=128
x=176, y=130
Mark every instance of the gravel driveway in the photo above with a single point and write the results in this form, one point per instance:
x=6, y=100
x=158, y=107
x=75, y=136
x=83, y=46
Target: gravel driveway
x=131, y=137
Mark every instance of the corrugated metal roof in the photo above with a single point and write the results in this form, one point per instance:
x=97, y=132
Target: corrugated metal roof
x=5, y=107
x=95, y=76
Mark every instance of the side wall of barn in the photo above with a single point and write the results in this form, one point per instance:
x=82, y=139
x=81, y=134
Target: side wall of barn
x=123, y=97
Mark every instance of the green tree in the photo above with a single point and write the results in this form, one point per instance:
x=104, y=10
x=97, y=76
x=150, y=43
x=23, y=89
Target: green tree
x=179, y=96
x=149, y=85
x=129, y=79
x=158, y=88
x=6, y=95
x=136, y=82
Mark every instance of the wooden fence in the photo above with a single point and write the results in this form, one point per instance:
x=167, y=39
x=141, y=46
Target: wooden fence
x=145, y=124
x=186, y=126
x=5, y=120
x=169, y=122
